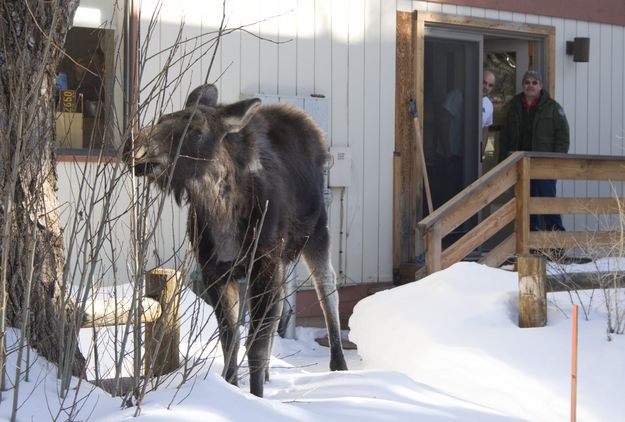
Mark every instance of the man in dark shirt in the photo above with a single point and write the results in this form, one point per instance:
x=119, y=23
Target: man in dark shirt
x=536, y=122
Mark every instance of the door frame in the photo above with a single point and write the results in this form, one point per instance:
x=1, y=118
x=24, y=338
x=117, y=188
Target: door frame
x=407, y=171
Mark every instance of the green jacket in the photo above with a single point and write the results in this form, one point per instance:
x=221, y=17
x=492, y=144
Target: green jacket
x=550, y=131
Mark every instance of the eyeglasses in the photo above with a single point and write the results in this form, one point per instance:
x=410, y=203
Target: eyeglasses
x=527, y=82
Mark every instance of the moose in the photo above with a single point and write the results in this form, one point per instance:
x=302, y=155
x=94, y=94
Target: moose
x=252, y=177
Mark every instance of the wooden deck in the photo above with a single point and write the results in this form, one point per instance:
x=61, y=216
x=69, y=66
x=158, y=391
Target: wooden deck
x=514, y=174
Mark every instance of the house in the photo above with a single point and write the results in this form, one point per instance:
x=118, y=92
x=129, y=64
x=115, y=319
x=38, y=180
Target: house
x=362, y=62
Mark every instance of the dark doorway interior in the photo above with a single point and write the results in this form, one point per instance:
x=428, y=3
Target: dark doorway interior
x=451, y=120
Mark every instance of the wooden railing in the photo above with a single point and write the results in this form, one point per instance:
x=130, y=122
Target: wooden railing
x=516, y=172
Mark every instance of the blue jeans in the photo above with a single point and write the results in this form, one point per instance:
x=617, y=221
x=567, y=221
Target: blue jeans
x=544, y=188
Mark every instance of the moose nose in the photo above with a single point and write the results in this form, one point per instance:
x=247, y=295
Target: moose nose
x=133, y=151
x=128, y=152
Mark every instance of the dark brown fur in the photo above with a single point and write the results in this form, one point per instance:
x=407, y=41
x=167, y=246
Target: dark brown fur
x=236, y=166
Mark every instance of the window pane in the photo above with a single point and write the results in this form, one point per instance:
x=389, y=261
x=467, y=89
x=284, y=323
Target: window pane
x=83, y=95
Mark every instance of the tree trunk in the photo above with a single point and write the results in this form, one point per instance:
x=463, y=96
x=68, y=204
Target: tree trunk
x=32, y=33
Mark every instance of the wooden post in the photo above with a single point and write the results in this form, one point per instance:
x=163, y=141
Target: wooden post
x=409, y=184
x=532, y=293
x=574, y=365
x=397, y=191
x=433, y=249
x=522, y=194
x=162, y=337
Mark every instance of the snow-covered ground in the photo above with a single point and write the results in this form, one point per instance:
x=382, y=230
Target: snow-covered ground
x=446, y=348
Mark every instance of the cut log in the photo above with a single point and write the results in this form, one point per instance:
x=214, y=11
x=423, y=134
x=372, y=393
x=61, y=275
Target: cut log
x=108, y=312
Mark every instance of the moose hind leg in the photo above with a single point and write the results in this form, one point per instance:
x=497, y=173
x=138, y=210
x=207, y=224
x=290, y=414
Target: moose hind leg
x=316, y=255
x=265, y=306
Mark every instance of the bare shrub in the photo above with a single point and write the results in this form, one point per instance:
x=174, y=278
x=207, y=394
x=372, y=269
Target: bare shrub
x=602, y=278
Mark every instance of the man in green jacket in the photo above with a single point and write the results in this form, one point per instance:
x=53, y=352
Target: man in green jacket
x=536, y=122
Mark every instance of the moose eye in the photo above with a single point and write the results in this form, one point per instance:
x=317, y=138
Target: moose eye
x=194, y=134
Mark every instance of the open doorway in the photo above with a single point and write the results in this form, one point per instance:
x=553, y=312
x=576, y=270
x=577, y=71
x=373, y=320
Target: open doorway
x=436, y=53
x=451, y=115
x=457, y=150
x=508, y=58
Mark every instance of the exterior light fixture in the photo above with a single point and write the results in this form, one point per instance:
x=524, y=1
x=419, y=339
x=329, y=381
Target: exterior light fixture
x=579, y=48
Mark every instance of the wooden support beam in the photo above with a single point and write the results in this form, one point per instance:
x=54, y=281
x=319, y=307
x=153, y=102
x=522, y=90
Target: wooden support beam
x=578, y=168
x=407, y=272
x=593, y=206
x=522, y=194
x=162, y=337
x=558, y=239
x=532, y=292
x=406, y=181
x=476, y=196
x=477, y=235
x=434, y=243
x=500, y=253
x=396, y=214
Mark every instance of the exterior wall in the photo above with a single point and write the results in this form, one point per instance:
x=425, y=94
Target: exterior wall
x=104, y=191
x=592, y=94
x=344, y=50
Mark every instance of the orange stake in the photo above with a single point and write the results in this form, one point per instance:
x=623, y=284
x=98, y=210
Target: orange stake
x=574, y=367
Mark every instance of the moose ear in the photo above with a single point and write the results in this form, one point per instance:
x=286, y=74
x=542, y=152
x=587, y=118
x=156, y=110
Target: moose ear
x=237, y=115
x=203, y=94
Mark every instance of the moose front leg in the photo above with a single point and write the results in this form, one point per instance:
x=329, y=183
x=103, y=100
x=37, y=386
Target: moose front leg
x=265, y=306
x=224, y=298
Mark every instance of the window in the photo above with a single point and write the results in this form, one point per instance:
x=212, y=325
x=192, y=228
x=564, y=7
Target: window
x=86, y=91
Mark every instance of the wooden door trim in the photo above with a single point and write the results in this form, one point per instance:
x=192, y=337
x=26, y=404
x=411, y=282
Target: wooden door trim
x=410, y=42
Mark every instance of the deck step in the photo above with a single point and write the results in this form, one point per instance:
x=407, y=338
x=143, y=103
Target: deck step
x=347, y=345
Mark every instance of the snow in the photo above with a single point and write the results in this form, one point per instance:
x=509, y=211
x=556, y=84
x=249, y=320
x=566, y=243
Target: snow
x=445, y=348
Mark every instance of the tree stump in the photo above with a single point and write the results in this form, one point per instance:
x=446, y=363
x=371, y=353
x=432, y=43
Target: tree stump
x=532, y=293
x=162, y=337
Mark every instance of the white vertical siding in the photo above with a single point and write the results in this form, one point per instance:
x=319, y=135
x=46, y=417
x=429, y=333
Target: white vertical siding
x=618, y=95
x=594, y=94
x=345, y=50
x=229, y=83
x=152, y=63
x=305, y=60
x=618, y=90
x=357, y=87
x=604, y=77
x=250, y=49
x=386, y=146
x=268, y=57
x=338, y=67
x=115, y=260
x=168, y=33
x=370, y=158
x=287, y=49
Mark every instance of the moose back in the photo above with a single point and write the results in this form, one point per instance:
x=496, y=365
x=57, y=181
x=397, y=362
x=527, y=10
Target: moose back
x=252, y=177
